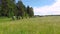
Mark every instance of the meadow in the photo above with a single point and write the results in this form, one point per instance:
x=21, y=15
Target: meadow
x=37, y=25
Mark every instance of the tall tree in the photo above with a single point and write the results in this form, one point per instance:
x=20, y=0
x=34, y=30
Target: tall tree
x=4, y=8
x=10, y=8
x=21, y=11
x=7, y=7
x=0, y=10
x=30, y=11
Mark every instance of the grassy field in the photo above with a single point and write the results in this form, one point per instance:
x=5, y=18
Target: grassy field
x=38, y=25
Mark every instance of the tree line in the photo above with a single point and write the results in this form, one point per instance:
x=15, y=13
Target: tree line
x=9, y=8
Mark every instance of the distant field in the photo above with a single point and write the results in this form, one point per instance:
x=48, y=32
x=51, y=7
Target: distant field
x=38, y=25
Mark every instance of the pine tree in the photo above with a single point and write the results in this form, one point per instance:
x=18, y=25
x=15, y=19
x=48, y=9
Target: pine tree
x=21, y=10
x=30, y=11
x=0, y=10
x=4, y=8
x=10, y=8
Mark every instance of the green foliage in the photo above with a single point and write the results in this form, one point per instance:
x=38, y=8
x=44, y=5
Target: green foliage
x=21, y=8
x=0, y=9
x=10, y=8
x=30, y=11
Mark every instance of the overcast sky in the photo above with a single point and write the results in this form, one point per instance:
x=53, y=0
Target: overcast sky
x=44, y=7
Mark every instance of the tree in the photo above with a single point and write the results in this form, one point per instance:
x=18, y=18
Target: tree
x=10, y=8
x=0, y=10
x=21, y=9
x=4, y=8
x=30, y=11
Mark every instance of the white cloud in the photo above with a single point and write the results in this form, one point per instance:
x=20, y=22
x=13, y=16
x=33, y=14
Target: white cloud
x=53, y=9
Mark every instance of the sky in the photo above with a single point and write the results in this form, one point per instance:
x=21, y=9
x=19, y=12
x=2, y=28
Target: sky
x=44, y=7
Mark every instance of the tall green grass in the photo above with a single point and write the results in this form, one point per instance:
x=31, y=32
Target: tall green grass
x=39, y=25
